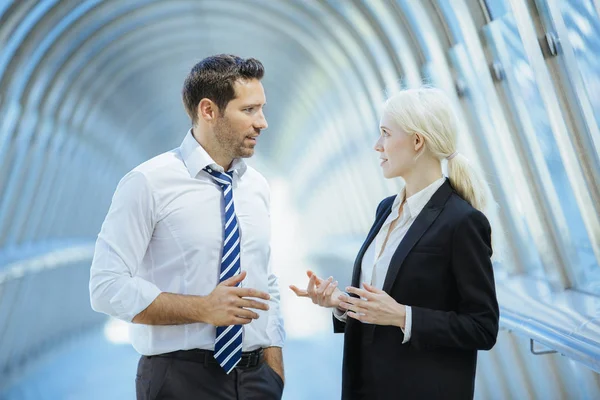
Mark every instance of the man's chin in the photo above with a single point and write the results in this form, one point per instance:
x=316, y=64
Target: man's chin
x=246, y=152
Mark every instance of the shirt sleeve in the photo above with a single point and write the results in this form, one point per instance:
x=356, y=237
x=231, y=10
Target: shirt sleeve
x=121, y=245
x=275, y=326
x=407, y=325
x=341, y=316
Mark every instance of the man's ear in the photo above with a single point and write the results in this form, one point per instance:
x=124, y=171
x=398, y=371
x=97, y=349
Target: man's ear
x=419, y=142
x=207, y=110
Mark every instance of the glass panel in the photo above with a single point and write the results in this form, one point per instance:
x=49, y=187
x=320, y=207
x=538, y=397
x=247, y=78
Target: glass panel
x=523, y=238
x=451, y=20
x=583, y=24
x=497, y=8
x=533, y=120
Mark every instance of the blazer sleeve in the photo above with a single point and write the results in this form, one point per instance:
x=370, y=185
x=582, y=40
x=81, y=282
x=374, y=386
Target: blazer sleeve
x=340, y=326
x=474, y=325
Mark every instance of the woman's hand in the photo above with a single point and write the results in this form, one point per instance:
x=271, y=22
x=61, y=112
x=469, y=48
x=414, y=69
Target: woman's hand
x=374, y=306
x=322, y=292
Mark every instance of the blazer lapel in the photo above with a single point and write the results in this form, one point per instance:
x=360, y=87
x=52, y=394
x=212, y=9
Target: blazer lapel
x=417, y=229
x=387, y=208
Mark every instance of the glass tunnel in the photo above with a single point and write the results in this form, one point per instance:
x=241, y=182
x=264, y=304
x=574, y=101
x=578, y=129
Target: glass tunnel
x=89, y=89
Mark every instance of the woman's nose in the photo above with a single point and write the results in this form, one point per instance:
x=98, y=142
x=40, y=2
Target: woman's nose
x=378, y=146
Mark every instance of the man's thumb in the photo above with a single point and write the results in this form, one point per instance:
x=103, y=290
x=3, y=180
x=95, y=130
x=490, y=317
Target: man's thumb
x=234, y=280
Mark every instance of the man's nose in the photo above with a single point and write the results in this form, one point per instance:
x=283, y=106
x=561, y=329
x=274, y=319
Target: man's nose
x=261, y=123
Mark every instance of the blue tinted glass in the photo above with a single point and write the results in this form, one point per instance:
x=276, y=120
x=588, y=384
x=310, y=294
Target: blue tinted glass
x=523, y=89
x=583, y=25
x=497, y=8
x=451, y=19
x=480, y=113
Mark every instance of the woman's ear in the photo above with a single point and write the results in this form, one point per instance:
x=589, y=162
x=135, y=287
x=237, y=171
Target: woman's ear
x=419, y=142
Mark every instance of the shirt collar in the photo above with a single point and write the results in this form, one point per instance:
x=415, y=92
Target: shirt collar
x=415, y=203
x=196, y=158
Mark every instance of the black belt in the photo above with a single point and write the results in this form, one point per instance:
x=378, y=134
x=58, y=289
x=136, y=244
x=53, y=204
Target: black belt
x=249, y=359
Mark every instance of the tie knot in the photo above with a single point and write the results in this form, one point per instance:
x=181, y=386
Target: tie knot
x=222, y=178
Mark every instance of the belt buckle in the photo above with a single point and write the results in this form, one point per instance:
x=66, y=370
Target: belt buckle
x=247, y=360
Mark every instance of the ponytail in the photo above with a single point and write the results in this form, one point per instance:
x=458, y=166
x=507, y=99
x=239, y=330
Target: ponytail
x=468, y=182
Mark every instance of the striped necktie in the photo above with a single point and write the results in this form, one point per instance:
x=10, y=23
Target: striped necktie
x=228, y=343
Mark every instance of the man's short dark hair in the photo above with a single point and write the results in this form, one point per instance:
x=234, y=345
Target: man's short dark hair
x=213, y=78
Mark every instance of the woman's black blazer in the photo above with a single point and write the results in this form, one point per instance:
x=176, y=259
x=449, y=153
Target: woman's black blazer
x=442, y=269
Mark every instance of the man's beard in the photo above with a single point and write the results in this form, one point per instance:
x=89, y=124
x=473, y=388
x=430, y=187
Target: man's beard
x=232, y=143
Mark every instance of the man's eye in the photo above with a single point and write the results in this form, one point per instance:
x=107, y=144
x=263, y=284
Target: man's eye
x=249, y=109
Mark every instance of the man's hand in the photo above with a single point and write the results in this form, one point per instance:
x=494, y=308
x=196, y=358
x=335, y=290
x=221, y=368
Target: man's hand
x=227, y=305
x=374, y=306
x=322, y=292
x=274, y=359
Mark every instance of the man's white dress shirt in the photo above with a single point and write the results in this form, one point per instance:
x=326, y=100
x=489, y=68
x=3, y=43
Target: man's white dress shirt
x=164, y=233
x=376, y=260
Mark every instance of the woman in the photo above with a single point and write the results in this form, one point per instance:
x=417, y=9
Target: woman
x=427, y=301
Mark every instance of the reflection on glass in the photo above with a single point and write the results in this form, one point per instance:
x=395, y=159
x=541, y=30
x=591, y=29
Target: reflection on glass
x=583, y=25
x=497, y=8
x=524, y=91
x=481, y=115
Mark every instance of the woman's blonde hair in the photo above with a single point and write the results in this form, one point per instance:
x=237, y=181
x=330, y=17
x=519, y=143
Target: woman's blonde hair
x=428, y=112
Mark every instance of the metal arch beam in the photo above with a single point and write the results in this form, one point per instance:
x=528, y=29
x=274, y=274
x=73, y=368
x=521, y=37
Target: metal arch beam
x=399, y=43
x=16, y=38
x=68, y=45
x=65, y=209
x=15, y=88
x=4, y=6
x=379, y=10
x=348, y=20
x=483, y=93
x=118, y=84
x=21, y=78
x=443, y=74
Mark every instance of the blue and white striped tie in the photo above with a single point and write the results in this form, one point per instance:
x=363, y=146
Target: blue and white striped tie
x=228, y=343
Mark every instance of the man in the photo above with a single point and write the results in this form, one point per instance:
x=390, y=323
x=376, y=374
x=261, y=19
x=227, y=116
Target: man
x=184, y=252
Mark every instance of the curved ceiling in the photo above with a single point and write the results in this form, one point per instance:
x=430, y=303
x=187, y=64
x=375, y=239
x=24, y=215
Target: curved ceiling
x=95, y=87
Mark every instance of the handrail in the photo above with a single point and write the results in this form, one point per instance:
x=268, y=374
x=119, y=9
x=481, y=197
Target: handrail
x=566, y=321
x=43, y=299
x=18, y=261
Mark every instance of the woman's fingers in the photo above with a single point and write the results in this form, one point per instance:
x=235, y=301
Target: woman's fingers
x=354, y=304
x=323, y=286
x=329, y=293
x=321, y=299
x=320, y=291
x=299, y=292
x=311, y=289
